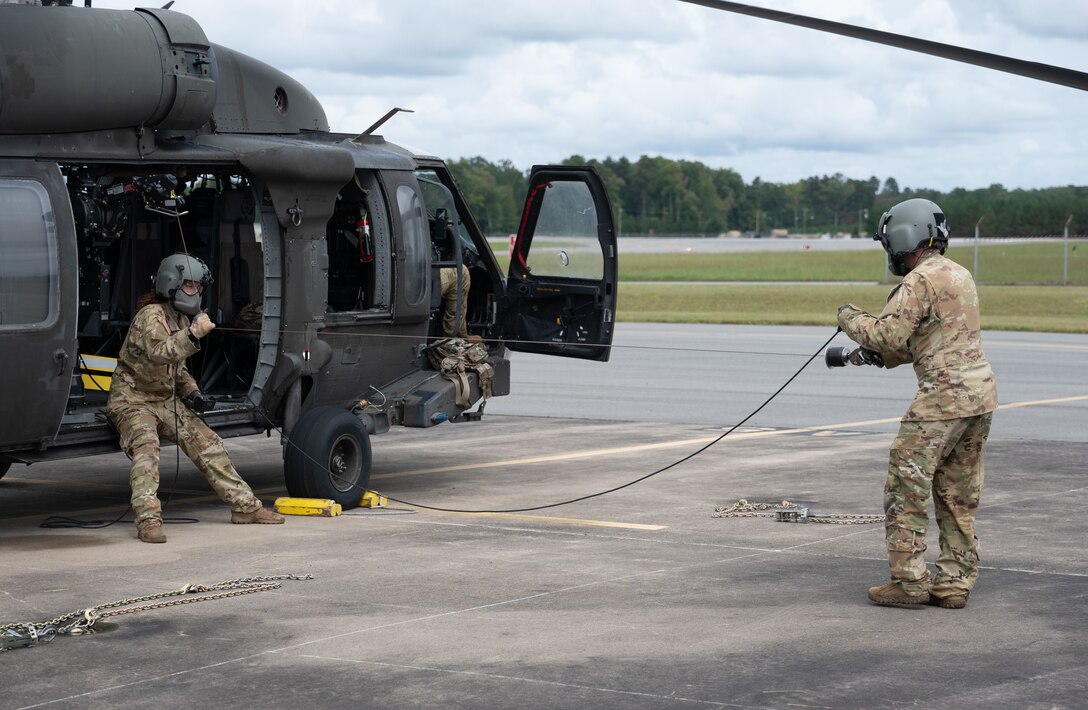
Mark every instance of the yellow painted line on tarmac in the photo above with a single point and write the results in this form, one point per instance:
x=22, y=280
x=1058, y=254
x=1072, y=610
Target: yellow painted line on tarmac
x=552, y=519
x=204, y=496
x=1040, y=402
x=1034, y=344
x=597, y=453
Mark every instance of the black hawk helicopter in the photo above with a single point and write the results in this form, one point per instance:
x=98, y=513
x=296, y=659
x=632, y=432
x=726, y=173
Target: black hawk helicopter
x=125, y=133
x=126, y=136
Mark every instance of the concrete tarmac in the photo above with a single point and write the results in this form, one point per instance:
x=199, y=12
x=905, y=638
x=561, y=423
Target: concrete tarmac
x=636, y=599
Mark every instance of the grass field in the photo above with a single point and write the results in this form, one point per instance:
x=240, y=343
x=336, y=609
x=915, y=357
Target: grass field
x=1039, y=308
x=998, y=263
x=1018, y=287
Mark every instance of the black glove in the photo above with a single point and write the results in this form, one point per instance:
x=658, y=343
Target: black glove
x=198, y=402
x=862, y=356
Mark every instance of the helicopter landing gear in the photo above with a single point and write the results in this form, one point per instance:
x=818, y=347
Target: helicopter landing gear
x=328, y=456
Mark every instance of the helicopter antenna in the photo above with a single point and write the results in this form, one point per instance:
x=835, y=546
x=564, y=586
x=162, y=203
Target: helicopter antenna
x=377, y=124
x=1032, y=70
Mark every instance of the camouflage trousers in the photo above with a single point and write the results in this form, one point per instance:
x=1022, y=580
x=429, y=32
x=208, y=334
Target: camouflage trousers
x=450, y=297
x=943, y=458
x=141, y=425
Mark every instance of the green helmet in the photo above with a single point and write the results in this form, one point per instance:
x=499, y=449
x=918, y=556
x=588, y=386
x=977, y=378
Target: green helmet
x=175, y=269
x=909, y=226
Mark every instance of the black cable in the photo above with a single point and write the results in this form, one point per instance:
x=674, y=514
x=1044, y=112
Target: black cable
x=690, y=456
x=60, y=521
x=648, y=475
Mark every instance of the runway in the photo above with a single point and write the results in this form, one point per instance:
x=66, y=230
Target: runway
x=636, y=599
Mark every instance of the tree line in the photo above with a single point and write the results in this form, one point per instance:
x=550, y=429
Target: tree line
x=656, y=195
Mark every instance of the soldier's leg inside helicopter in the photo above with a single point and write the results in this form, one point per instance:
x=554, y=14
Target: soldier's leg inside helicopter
x=450, y=297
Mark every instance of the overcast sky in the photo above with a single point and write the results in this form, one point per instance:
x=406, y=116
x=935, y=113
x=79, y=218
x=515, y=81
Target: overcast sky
x=535, y=82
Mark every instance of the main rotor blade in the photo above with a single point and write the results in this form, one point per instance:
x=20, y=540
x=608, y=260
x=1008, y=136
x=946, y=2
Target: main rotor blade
x=1032, y=70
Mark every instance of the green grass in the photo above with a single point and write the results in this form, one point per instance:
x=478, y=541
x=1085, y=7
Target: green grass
x=1033, y=308
x=998, y=263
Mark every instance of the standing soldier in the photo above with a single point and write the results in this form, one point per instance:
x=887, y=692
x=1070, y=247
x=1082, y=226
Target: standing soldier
x=931, y=320
x=151, y=378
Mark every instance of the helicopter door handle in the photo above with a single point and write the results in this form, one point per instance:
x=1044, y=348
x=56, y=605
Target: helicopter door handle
x=61, y=356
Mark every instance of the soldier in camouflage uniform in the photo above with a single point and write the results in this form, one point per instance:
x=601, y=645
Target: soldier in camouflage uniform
x=931, y=320
x=151, y=378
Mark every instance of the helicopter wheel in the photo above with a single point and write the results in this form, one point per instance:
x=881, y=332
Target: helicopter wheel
x=328, y=457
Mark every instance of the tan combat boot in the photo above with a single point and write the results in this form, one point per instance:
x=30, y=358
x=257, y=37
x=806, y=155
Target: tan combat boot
x=956, y=601
x=891, y=594
x=262, y=515
x=151, y=531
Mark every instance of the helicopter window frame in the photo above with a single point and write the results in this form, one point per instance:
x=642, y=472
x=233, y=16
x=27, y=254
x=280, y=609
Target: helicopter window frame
x=430, y=187
x=413, y=218
x=366, y=235
x=19, y=277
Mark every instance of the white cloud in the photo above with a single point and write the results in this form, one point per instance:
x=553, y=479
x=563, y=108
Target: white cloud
x=537, y=82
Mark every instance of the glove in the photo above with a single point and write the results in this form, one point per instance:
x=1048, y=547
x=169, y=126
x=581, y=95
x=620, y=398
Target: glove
x=197, y=402
x=862, y=356
x=201, y=325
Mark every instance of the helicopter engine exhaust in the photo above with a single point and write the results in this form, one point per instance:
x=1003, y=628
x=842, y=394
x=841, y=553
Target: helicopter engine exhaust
x=67, y=70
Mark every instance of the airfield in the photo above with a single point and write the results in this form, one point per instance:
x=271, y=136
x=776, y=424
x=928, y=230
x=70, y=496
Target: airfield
x=636, y=599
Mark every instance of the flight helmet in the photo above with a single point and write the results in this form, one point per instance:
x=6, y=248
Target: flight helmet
x=908, y=226
x=175, y=269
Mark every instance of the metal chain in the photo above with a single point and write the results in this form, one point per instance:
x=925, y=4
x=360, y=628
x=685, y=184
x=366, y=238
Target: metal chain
x=744, y=509
x=789, y=512
x=82, y=621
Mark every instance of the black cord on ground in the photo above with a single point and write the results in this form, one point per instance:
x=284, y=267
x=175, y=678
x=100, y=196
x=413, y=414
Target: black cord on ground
x=648, y=475
x=60, y=522
x=690, y=456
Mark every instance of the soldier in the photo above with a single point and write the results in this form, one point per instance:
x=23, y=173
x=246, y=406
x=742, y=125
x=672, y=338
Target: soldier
x=151, y=378
x=931, y=320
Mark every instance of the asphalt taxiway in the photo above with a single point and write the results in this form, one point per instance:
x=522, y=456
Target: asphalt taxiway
x=636, y=599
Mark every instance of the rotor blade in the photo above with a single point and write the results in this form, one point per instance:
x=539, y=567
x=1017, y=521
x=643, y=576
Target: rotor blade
x=1032, y=70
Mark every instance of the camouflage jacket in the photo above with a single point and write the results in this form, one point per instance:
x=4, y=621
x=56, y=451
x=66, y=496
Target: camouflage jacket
x=152, y=359
x=932, y=320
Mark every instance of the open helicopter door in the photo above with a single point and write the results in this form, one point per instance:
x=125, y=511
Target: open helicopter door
x=561, y=288
x=38, y=308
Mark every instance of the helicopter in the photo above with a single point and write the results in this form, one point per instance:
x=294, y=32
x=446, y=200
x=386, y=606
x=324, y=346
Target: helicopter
x=127, y=136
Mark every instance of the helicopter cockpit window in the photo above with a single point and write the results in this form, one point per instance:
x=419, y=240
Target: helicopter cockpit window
x=437, y=196
x=28, y=262
x=565, y=240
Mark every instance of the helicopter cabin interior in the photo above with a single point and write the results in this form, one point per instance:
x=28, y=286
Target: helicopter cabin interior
x=127, y=222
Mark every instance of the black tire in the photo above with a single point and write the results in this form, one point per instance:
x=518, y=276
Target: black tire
x=5, y=465
x=329, y=457
x=294, y=454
